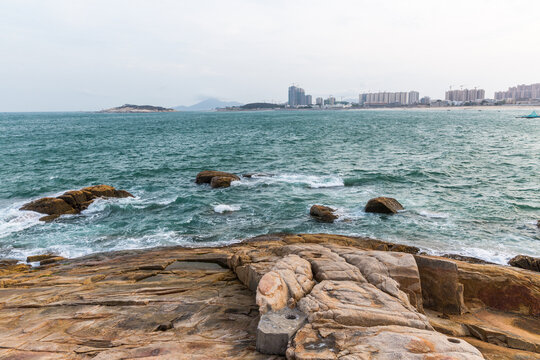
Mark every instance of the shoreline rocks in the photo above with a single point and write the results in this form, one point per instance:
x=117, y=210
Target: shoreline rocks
x=323, y=213
x=321, y=296
x=73, y=201
x=525, y=262
x=383, y=205
x=216, y=179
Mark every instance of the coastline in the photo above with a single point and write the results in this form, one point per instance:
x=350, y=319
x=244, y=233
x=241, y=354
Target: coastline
x=168, y=301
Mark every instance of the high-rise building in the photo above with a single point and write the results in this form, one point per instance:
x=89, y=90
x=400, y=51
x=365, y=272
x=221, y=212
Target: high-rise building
x=319, y=101
x=414, y=97
x=465, y=95
x=309, y=100
x=297, y=97
x=330, y=101
x=519, y=93
x=426, y=100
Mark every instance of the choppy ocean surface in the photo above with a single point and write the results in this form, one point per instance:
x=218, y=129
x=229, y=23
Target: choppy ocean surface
x=469, y=180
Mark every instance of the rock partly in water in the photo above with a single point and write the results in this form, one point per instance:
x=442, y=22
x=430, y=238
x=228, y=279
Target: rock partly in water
x=383, y=205
x=323, y=213
x=526, y=262
x=36, y=258
x=72, y=202
x=221, y=182
x=216, y=179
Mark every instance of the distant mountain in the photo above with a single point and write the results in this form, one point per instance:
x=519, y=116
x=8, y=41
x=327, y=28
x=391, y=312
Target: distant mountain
x=208, y=104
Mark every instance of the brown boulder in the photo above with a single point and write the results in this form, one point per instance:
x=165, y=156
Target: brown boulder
x=49, y=206
x=72, y=202
x=323, y=213
x=525, y=262
x=221, y=182
x=383, y=205
x=205, y=177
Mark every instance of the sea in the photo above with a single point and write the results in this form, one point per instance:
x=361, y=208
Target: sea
x=469, y=179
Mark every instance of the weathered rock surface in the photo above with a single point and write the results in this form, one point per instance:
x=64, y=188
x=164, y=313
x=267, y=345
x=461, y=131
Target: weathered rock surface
x=353, y=299
x=525, y=262
x=323, y=213
x=383, y=205
x=72, y=202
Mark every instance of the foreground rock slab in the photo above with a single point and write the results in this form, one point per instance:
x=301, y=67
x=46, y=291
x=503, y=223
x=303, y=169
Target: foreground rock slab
x=351, y=298
x=72, y=202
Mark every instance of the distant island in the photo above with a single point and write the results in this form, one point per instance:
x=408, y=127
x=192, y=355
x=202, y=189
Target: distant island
x=129, y=108
x=255, y=106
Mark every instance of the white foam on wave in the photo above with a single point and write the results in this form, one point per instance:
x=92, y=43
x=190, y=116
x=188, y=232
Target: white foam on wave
x=433, y=215
x=100, y=204
x=222, y=208
x=312, y=181
x=13, y=220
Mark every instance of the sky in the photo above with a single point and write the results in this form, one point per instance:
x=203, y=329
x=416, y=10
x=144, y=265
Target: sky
x=70, y=55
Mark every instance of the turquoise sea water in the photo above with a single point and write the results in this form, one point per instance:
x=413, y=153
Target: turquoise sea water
x=469, y=180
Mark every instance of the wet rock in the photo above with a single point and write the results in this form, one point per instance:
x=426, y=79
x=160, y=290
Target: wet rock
x=323, y=213
x=51, y=260
x=35, y=258
x=205, y=177
x=221, y=182
x=383, y=205
x=525, y=262
x=49, y=206
x=72, y=202
x=468, y=259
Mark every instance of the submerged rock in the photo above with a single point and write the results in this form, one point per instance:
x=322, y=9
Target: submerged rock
x=525, y=262
x=383, y=205
x=323, y=213
x=222, y=179
x=72, y=202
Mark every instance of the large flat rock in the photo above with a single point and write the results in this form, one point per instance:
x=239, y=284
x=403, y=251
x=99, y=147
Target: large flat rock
x=360, y=301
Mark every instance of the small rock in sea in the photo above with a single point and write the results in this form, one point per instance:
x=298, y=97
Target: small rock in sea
x=538, y=223
x=221, y=182
x=72, y=202
x=383, y=205
x=525, y=262
x=323, y=213
x=223, y=179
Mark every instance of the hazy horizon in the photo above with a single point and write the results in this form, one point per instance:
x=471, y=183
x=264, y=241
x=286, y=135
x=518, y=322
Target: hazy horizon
x=81, y=55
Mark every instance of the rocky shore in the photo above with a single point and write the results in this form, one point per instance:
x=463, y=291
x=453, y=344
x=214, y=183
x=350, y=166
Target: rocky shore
x=306, y=296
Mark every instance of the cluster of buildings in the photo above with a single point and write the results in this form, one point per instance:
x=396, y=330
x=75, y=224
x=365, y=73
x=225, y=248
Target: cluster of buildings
x=465, y=95
x=390, y=98
x=514, y=95
x=519, y=93
x=298, y=97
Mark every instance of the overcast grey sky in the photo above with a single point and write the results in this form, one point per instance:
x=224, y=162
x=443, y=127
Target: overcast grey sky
x=89, y=55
